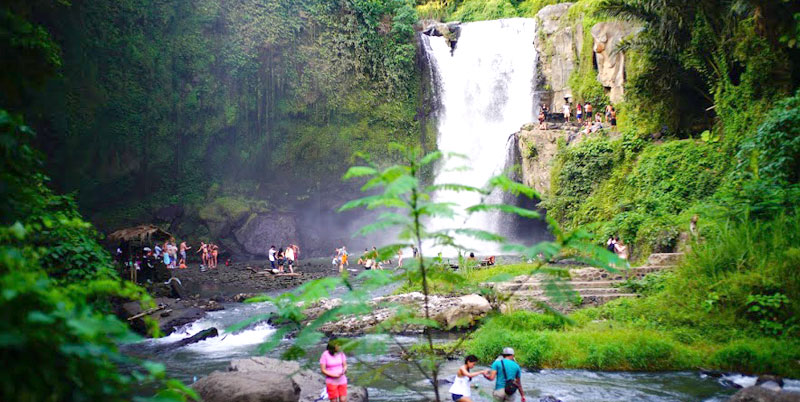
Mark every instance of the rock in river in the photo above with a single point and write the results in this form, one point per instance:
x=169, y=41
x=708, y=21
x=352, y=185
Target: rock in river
x=449, y=312
x=761, y=394
x=266, y=379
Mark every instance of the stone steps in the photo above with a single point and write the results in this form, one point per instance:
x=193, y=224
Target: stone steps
x=582, y=292
x=597, y=274
x=538, y=285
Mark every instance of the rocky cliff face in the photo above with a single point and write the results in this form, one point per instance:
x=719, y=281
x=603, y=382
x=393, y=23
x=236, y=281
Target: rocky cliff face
x=611, y=62
x=558, y=43
x=537, y=149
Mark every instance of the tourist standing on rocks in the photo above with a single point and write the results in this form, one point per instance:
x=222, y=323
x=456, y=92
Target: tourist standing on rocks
x=184, y=247
x=400, y=258
x=271, y=253
x=579, y=113
x=460, y=389
x=280, y=260
x=613, y=117
x=296, y=250
x=203, y=250
x=542, y=124
x=566, y=112
x=333, y=364
x=342, y=256
x=213, y=252
x=587, y=110
x=508, y=375
x=290, y=258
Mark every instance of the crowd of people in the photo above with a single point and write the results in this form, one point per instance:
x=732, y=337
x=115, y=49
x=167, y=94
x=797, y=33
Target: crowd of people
x=587, y=119
x=504, y=371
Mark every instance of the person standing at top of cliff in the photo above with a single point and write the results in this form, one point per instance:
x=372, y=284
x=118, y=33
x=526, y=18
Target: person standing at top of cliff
x=542, y=124
x=579, y=113
x=567, y=112
x=613, y=117
x=587, y=110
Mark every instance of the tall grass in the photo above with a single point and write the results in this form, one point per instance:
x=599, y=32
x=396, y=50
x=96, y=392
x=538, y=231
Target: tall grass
x=699, y=318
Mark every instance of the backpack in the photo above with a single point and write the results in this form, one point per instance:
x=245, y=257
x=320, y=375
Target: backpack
x=511, y=386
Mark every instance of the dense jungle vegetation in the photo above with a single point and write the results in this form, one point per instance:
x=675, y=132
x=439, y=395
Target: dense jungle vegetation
x=155, y=102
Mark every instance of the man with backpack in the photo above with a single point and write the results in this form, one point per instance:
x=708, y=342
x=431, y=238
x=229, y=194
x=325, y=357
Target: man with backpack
x=508, y=375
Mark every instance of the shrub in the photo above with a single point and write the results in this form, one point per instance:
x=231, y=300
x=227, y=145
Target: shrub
x=773, y=153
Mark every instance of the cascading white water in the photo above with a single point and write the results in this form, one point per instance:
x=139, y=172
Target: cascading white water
x=486, y=90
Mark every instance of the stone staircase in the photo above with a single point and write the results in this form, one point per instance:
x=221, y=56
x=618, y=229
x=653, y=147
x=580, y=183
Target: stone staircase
x=595, y=286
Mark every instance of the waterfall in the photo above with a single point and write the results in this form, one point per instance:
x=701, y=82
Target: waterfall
x=486, y=92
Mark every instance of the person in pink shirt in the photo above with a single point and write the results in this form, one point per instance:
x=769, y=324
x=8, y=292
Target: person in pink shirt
x=333, y=364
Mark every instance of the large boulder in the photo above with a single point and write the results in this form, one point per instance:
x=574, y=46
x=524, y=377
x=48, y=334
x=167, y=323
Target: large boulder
x=762, y=394
x=169, y=214
x=260, y=231
x=174, y=314
x=310, y=383
x=558, y=44
x=607, y=37
x=448, y=312
x=247, y=387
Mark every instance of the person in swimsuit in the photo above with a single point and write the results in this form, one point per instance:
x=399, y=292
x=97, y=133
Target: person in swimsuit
x=333, y=364
x=613, y=117
x=183, y=249
x=460, y=390
x=579, y=113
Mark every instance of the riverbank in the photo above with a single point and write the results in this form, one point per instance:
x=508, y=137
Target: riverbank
x=730, y=305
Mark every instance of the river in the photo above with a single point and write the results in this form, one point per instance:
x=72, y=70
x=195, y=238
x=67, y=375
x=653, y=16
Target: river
x=195, y=361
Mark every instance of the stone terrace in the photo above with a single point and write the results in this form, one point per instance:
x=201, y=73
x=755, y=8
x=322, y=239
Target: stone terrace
x=595, y=286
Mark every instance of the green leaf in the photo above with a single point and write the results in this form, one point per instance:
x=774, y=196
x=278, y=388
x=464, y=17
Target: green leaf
x=511, y=209
x=359, y=171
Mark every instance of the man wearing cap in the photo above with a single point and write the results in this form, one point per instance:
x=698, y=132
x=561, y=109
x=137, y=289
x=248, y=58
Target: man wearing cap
x=505, y=369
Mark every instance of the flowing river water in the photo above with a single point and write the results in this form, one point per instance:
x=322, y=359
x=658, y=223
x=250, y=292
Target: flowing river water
x=197, y=360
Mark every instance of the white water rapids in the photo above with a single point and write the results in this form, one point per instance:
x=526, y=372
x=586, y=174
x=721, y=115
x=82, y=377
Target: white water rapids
x=486, y=93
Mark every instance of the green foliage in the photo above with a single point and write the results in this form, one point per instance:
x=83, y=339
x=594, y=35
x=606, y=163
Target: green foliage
x=630, y=188
x=480, y=10
x=542, y=342
x=576, y=173
x=649, y=284
x=57, y=282
x=773, y=153
x=771, y=313
x=159, y=99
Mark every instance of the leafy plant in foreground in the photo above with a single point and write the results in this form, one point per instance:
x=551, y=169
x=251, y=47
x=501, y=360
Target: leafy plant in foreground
x=408, y=203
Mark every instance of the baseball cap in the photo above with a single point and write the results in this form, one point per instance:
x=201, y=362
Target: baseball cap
x=508, y=351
